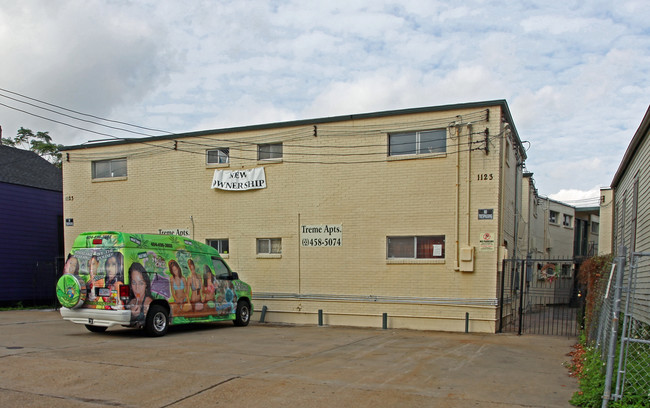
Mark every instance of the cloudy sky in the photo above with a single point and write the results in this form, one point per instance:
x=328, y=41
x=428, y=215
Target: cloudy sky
x=576, y=74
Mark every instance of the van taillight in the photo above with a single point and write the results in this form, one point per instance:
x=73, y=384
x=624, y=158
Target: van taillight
x=125, y=292
x=97, y=241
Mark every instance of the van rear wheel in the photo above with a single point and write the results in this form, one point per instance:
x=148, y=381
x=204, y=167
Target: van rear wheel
x=243, y=314
x=96, y=329
x=157, y=321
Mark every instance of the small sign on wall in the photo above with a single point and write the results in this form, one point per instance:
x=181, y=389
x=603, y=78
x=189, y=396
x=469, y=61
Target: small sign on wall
x=486, y=242
x=69, y=222
x=323, y=235
x=486, y=214
x=174, y=231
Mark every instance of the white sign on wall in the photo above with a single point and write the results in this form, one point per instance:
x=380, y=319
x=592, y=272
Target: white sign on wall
x=239, y=180
x=324, y=235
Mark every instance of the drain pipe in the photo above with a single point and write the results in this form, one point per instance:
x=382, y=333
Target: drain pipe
x=456, y=207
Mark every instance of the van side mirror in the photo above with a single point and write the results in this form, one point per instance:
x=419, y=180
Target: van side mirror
x=235, y=276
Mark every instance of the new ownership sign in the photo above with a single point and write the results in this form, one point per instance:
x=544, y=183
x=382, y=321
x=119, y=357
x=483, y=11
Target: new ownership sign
x=239, y=180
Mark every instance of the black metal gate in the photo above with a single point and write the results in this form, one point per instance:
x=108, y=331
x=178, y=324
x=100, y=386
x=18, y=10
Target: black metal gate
x=540, y=296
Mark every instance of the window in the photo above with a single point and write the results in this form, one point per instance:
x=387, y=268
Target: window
x=423, y=247
x=218, y=156
x=109, y=168
x=430, y=141
x=269, y=245
x=552, y=217
x=269, y=151
x=221, y=245
x=567, y=221
x=594, y=227
x=565, y=272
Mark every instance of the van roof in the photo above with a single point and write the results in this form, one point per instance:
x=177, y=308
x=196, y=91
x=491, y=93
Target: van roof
x=115, y=239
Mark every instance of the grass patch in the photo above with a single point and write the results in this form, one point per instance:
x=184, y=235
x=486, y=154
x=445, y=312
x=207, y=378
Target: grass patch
x=588, y=367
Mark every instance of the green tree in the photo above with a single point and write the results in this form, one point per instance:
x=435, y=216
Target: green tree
x=39, y=143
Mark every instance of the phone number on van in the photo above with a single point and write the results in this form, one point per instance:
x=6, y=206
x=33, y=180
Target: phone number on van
x=321, y=242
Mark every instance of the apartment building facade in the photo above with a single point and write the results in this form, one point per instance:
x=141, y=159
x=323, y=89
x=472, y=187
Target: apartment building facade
x=406, y=213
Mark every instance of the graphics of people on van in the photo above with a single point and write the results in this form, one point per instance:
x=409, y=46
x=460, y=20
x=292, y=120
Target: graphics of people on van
x=140, y=292
x=226, y=298
x=71, y=266
x=178, y=286
x=194, y=281
x=114, y=270
x=94, y=280
x=209, y=288
x=231, y=296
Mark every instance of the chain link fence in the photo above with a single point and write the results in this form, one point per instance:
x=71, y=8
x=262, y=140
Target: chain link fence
x=620, y=327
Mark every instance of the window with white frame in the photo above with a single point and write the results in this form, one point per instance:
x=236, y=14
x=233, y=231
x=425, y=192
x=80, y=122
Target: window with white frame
x=109, y=168
x=553, y=217
x=269, y=246
x=218, y=156
x=269, y=151
x=416, y=247
x=424, y=142
x=221, y=245
x=568, y=220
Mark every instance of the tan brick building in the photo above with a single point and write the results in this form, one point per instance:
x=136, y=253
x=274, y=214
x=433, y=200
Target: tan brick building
x=406, y=212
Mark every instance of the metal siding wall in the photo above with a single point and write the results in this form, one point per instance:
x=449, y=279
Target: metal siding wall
x=639, y=168
x=29, y=242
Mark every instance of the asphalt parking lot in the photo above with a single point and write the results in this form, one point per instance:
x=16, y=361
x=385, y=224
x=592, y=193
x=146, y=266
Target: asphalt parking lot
x=46, y=362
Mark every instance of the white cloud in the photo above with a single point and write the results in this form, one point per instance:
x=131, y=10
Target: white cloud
x=578, y=198
x=576, y=78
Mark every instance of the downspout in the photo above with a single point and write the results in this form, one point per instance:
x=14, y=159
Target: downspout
x=456, y=207
x=517, y=165
x=469, y=178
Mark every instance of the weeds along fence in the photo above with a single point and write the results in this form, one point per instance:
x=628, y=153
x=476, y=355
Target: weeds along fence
x=620, y=326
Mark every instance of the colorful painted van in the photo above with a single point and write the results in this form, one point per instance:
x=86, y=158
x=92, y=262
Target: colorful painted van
x=150, y=282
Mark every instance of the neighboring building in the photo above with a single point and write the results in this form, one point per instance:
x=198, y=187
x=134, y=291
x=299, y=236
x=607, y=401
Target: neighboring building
x=548, y=225
x=407, y=212
x=605, y=228
x=548, y=231
x=31, y=221
x=630, y=207
x=587, y=227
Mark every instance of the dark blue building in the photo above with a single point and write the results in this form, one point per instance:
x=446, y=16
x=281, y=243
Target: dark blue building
x=31, y=227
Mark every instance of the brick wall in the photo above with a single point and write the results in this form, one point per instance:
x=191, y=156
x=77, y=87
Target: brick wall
x=372, y=197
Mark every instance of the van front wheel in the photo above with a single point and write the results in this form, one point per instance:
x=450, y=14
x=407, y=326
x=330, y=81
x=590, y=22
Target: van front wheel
x=157, y=321
x=243, y=315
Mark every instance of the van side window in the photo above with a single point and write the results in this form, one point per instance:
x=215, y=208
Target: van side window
x=221, y=271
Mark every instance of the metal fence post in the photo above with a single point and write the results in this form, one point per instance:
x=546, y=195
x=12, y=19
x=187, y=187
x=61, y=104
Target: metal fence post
x=616, y=309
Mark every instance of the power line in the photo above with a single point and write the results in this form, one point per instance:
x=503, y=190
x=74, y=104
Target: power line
x=75, y=118
x=76, y=112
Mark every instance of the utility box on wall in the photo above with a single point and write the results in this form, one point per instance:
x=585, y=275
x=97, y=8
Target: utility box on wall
x=467, y=259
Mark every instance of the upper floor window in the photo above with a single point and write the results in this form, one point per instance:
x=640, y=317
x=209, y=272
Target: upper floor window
x=218, y=156
x=594, y=227
x=430, y=141
x=553, y=217
x=416, y=247
x=221, y=245
x=567, y=221
x=269, y=151
x=109, y=168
